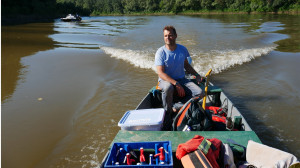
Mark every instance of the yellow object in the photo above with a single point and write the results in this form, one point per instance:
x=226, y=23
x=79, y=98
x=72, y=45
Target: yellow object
x=206, y=88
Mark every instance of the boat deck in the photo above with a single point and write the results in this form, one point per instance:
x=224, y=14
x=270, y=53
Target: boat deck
x=178, y=137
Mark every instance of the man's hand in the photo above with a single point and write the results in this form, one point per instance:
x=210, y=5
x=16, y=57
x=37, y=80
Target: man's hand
x=199, y=79
x=180, y=90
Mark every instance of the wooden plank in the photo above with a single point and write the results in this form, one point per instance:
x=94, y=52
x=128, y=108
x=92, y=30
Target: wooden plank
x=178, y=137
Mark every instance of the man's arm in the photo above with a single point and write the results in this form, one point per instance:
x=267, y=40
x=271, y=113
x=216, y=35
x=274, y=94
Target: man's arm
x=161, y=73
x=191, y=70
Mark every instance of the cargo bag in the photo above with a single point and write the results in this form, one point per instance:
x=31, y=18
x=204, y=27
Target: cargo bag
x=210, y=147
x=192, y=117
x=228, y=157
x=196, y=159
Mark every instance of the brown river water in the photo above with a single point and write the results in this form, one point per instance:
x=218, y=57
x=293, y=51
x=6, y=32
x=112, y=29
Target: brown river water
x=65, y=86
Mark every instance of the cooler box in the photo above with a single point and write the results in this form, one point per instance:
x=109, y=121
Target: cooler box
x=142, y=120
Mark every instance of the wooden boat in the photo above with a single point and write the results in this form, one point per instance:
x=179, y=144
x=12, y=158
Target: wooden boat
x=215, y=96
x=71, y=18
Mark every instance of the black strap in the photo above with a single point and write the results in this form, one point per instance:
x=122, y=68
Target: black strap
x=203, y=158
x=195, y=160
x=199, y=160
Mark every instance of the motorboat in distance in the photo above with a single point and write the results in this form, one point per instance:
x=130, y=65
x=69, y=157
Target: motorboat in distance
x=71, y=18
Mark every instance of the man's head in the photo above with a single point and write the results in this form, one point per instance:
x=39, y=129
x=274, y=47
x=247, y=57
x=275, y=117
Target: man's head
x=171, y=29
x=170, y=35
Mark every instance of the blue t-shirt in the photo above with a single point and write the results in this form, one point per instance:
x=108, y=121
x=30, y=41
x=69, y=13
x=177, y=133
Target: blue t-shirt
x=173, y=61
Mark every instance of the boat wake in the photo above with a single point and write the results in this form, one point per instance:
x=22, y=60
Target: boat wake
x=217, y=60
x=141, y=59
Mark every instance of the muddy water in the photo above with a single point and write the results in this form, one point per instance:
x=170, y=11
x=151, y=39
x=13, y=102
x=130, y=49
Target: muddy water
x=66, y=85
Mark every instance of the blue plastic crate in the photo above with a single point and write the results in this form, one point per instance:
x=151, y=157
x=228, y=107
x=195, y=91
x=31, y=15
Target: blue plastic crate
x=149, y=147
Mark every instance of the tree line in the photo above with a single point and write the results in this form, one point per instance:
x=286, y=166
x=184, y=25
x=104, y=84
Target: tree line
x=98, y=7
x=56, y=8
x=39, y=8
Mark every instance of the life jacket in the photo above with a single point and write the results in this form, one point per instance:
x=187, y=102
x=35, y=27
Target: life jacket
x=193, y=116
x=217, y=110
x=210, y=147
x=219, y=118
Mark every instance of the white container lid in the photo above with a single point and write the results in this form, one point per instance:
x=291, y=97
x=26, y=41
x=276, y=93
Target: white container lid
x=142, y=117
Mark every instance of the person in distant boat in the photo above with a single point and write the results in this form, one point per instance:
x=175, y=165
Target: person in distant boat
x=171, y=61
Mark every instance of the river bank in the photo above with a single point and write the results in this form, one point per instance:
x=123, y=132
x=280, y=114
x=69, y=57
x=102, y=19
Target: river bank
x=23, y=19
x=294, y=12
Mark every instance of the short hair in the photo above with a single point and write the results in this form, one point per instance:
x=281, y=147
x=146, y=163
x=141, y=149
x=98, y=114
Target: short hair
x=170, y=28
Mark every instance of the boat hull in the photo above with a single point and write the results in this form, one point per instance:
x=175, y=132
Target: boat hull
x=177, y=137
x=70, y=20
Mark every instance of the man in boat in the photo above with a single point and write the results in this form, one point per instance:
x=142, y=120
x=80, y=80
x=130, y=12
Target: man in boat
x=171, y=61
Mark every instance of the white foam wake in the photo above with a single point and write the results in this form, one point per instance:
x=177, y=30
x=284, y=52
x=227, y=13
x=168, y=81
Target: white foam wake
x=141, y=59
x=218, y=61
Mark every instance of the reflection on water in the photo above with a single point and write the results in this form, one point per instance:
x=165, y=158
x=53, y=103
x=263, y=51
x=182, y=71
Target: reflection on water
x=292, y=28
x=288, y=25
x=17, y=42
x=93, y=31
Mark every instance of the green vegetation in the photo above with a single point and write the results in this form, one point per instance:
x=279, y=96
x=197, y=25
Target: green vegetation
x=59, y=8
x=40, y=8
x=27, y=7
x=98, y=7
